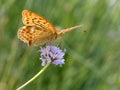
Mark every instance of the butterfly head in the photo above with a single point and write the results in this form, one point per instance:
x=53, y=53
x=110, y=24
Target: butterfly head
x=59, y=34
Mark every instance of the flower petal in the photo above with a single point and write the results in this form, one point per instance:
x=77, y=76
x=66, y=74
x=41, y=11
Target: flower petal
x=59, y=62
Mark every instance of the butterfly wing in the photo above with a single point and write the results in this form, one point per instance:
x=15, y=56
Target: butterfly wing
x=32, y=19
x=34, y=36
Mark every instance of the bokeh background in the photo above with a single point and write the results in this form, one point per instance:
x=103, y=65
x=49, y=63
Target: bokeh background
x=92, y=57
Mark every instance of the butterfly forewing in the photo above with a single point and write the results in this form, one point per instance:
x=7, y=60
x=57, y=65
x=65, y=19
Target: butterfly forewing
x=32, y=19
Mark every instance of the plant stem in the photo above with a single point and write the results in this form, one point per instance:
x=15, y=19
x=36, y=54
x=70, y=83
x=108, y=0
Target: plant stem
x=38, y=74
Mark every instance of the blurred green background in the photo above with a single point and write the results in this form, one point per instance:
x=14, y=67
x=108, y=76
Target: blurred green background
x=92, y=57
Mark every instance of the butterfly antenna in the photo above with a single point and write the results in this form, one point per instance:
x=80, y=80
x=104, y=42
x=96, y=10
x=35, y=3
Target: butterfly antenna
x=70, y=29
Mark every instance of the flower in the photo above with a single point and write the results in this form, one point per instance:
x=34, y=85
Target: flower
x=52, y=54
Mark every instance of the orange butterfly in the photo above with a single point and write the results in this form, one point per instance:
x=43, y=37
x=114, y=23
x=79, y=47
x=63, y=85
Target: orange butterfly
x=38, y=30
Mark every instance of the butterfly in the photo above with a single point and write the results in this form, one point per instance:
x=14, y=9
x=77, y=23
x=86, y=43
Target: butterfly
x=38, y=30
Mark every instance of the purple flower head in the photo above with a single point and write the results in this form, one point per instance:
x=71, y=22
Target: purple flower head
x=52, y=54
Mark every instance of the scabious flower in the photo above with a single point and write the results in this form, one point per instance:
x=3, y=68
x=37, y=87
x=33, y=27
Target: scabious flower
x=52, y=54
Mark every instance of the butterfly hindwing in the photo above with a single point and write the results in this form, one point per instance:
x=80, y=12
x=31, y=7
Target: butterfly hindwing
x=33, y=36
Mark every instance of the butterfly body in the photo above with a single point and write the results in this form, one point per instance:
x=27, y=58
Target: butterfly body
x=38, y=30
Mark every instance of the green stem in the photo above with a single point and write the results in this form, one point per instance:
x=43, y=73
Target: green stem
x=38, y=74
